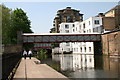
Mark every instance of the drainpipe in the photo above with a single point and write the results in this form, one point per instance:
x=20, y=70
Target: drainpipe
x=108, y=44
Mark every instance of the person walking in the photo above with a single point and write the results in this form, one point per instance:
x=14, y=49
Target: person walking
x=24, y=54
x=30, y=54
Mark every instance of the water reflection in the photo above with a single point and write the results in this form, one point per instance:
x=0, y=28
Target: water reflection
x=88, y=66
x=75, y=62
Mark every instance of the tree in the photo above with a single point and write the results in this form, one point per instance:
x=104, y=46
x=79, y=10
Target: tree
x=52, y=30
x=42, y=54
x=6, y=24
x=13, y=21
x=20, y=22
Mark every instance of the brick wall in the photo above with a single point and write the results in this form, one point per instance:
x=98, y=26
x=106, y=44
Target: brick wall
x=12, y=49
x=111, y=43
x=109, y=23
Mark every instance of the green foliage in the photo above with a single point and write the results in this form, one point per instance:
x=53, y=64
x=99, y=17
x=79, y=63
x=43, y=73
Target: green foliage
x=55, y=45
x=6, y=24
x=42, y=54
x=52, y=30
x=28, y=46
x=13, y=21
x=20, y=22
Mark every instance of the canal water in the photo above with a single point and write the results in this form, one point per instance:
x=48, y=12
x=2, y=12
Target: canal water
x=85, y=66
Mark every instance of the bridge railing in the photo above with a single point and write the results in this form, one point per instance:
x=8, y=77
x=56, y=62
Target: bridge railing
x=9, y=62
x=58, y=37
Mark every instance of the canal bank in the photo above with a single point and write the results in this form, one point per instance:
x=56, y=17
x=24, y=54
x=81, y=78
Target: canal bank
x=31, y=69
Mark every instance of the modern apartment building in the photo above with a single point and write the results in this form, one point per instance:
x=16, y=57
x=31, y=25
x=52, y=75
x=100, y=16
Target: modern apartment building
x=102, y=23
x=66, y=28
x=91, y=25
x=66, y=15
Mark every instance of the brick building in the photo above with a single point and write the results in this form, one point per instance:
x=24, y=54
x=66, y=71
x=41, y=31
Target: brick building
x=111, y=19
x=111, y=43
x=110, y=40
x=114, y=13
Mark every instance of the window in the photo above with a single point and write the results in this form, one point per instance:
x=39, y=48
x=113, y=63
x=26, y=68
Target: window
x=90, y=60
x=73, y=30
x=84, y=25
x=68, y=17
x=76, y=49
x=76, y=28
x=85, y=49
x=81, y=18
x=81, y=49
x=97, y=29
x=96, y=22
x=93, y=29
x=73, y=25
x=67, y=31
x=77, y=14
x=69, y=49
x=67, y=26
x=89, y=22
x=89, y=30
x=89, y=49
x=80, y=27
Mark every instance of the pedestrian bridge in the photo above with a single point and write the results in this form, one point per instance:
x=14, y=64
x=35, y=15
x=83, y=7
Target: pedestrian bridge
x=60, y=37
x=44, y=40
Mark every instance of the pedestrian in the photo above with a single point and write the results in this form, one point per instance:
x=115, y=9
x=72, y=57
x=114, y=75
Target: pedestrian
x=24, y=54
x=30, y=54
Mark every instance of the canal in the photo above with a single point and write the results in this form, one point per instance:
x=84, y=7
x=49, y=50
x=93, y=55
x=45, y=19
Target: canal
x=85, y=66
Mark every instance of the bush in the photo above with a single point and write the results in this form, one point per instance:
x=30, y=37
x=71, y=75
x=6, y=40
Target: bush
x=41, y=54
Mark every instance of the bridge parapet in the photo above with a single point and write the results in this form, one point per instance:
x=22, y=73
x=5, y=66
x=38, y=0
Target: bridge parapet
x=60, y=37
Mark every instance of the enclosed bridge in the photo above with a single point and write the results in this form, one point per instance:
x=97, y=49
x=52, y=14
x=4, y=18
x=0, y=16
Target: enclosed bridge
x=44, y=40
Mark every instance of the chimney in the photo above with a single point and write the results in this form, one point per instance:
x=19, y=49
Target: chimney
x=101, y=15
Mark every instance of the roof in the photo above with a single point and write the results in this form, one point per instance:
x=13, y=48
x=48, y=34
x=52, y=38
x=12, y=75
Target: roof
x=116, y=7
x=43, y=34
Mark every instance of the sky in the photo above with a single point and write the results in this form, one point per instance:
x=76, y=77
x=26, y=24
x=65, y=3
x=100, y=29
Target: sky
x=41, y=14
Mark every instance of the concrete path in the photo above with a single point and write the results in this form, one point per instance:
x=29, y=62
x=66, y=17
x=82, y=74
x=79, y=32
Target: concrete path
x=29, y=70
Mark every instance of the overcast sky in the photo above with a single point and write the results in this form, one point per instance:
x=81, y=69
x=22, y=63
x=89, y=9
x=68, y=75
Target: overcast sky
x=41, y=14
